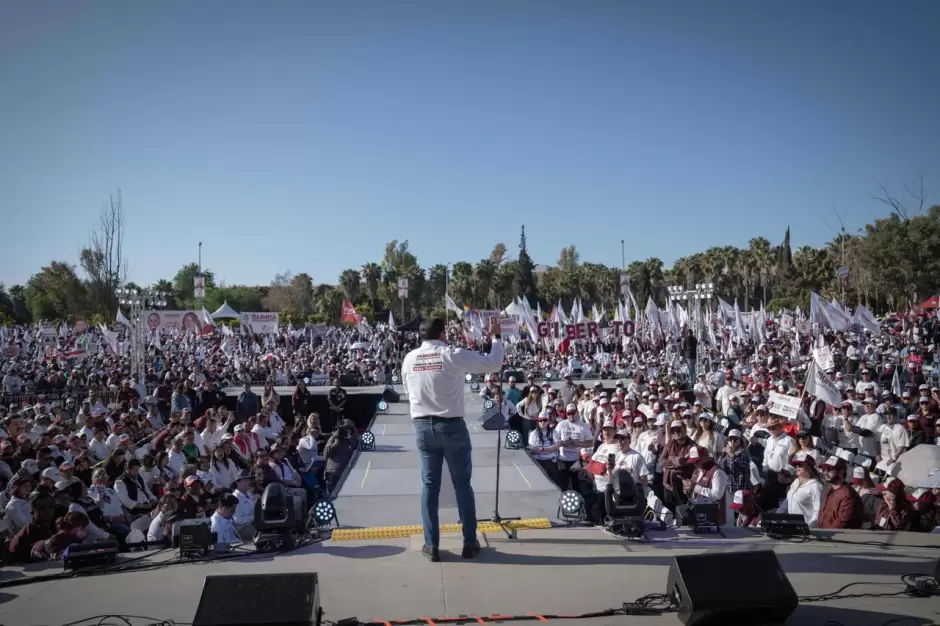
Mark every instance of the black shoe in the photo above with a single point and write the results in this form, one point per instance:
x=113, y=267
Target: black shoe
x=471, y=551
x=432, y=553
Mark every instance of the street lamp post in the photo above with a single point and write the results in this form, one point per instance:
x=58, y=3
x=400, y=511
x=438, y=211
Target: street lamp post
x=138, y=301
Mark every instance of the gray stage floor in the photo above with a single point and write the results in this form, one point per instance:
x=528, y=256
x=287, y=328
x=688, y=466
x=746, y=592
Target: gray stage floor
x=320, y=390
x=383, y=488
x=560, y=570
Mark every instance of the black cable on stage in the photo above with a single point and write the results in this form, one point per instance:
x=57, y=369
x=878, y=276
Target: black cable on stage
x=134, y=565
x=916, y=586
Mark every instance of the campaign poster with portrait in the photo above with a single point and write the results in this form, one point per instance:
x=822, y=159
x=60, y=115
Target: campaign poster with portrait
x=173, y=321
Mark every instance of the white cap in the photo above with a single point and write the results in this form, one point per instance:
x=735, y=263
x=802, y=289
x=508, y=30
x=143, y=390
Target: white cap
x=570, y=408
x=734, y=432
x=738, y=501
x=52, y=474
x=676, y=424
x=661, y=419
x=693, y=453
x=609, y=424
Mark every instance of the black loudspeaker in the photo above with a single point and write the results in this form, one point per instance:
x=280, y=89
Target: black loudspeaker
x=704, y=597
x=348, y=380
x=247, y=600
x=390, y=395
x=86, y=554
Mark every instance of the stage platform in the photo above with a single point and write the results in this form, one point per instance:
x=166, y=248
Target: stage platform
x=556, y=571
x=321, y=390
x=383, y=487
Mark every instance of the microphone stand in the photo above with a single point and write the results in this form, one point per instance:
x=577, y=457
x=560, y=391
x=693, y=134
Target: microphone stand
x=497, y=518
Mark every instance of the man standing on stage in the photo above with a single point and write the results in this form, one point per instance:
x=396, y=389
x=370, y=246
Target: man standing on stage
x=336, y=398
x=433, y=376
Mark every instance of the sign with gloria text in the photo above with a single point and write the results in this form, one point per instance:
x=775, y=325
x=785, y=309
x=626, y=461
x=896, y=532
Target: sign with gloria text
x=260, y=323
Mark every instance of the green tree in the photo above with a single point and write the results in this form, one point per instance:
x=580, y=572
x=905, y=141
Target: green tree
x=56, y=293
x=183, y=284
x=350, y=282
x=524, y=279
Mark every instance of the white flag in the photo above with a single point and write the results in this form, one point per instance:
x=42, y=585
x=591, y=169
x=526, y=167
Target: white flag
x=452, y=306
x=123, y=320
x=820, y=385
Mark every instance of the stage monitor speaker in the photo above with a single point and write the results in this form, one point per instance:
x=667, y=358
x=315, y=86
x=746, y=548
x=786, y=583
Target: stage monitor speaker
x=260, y=600
x=704, y=597
x=390, y=395
x=348, y=380
x=493, y=420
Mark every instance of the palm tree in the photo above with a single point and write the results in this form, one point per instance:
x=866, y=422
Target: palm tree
x=485, y=270
x=349, y=280
x=372, y=275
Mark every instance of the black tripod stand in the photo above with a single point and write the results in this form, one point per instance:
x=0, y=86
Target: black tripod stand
x=497, y=518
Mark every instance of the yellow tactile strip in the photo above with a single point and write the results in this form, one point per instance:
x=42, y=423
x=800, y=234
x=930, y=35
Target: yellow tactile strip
x=398, y=532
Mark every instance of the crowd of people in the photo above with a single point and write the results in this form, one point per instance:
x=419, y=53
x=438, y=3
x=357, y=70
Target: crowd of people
x=91, y=449
x=719, y=437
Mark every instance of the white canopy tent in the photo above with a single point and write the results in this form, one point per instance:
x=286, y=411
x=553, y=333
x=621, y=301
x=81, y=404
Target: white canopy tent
x=225, y=312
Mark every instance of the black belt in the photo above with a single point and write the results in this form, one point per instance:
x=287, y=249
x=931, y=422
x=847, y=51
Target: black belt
x=428, y=418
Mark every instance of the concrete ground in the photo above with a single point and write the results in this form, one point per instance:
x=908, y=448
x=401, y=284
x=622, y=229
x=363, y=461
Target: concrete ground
x=557, y=571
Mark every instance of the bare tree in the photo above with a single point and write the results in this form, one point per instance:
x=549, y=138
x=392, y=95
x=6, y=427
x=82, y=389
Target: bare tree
x=103, y=259
x=918, y=195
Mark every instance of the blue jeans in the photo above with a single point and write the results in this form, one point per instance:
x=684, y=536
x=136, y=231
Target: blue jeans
x=439, y=439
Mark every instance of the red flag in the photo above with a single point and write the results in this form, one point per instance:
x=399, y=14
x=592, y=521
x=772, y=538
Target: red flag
x=349, y=313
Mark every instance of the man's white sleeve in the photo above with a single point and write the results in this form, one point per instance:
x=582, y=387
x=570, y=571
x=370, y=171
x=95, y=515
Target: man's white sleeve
x=476, y=363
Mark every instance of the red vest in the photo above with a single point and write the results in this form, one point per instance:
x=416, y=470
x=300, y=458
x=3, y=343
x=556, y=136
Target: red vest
x=705, y=480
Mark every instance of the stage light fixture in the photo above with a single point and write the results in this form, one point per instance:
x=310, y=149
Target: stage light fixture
x=468, y=378
x=513, y=440
x=324, y=514
x=474, y=386
x=548, y=375
x=487, y=404
x=571, y=507
x=383, y=406
x=367, y=441
x=395, y=379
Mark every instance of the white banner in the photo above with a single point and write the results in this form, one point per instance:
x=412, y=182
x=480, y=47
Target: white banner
x=823, y=356
x=784, y=406
x=509, y=325
x=820, y=385
x=173, y=321
x=260, y=323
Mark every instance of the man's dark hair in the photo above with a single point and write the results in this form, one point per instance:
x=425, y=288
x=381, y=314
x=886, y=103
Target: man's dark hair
x=431, y=329
x=228, y=501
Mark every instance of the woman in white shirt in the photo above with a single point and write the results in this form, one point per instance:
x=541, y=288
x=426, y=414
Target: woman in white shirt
x=542, y=448
x=530, y=406
x=805, y=494
x=222, y=469
x=707, y=437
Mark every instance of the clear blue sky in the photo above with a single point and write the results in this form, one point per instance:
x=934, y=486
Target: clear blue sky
x=304, y=135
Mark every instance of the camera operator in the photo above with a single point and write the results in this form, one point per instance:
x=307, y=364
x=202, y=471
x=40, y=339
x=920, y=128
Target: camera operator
x=618, y=456
x=336, y=398
x=337, y=452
